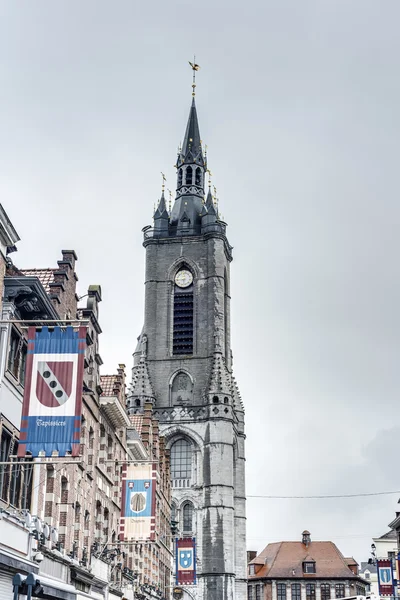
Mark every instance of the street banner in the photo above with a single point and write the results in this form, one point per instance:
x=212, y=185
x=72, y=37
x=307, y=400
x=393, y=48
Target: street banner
x=186, y=561
x=138, y=521
x=52, y=405
x=385, y=577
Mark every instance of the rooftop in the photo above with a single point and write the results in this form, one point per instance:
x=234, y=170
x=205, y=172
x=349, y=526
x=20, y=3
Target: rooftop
x=136, y=422
x=45, y=276
x=285, y=559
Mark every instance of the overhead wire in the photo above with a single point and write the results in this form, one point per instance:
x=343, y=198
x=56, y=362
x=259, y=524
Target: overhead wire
x=323, y=496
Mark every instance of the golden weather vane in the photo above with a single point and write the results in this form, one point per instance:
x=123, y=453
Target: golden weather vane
x=164, y=179
x=195, y=67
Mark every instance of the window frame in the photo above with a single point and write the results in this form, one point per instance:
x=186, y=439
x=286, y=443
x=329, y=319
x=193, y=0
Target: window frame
x=295, y=595
x=340, y=587
x=307, y=564
x=281, y=591
x=326, y=591
x=181, y=462
x=187, y=519
x=17, y=355
x=310, y=591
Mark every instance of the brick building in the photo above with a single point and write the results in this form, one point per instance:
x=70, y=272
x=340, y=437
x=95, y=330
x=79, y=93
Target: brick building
x=153, y=561
x=303, y=570
x=78, y=506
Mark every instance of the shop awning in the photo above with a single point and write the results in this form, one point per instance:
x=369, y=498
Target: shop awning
x=54, y=589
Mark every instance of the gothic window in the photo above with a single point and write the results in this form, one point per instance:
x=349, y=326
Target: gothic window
x=281, y=590
x=310, y=591
x=250, y=593
x=189, y=175
x=182, y=389
x=325, y=591
x=296, y=591
x=181, y=460
x=187, y=513
x=183, y=320
x=258, y=592
x=198, y=176
x=180, y=177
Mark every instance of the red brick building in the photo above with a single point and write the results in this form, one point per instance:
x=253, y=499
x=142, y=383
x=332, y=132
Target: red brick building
x=303, y=570
x=82, y=556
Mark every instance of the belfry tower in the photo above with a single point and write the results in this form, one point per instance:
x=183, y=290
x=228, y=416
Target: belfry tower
x=183, y=365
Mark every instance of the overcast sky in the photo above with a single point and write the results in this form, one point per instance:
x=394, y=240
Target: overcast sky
x=298, y=102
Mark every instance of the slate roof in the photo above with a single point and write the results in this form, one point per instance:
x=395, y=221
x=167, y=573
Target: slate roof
x=285, y=559
x=191, y=141
x=390, y=535
x=45, y=276
x=365, y=566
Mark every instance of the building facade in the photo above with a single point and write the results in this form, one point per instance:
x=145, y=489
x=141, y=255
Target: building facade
x=59, y=518
x=183, y=366
x=303, y=570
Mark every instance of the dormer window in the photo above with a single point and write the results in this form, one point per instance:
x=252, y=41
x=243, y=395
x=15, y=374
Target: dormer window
x=309, y=567
x=252, y=570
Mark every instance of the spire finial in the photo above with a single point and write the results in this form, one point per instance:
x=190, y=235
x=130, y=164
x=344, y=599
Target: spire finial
x=170, y=201
x=195, y=67
x=209, y=177
x=164, y=179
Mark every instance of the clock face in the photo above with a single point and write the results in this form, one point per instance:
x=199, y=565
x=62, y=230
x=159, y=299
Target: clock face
x=183, y=278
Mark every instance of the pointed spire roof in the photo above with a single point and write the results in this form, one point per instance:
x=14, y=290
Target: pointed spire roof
x=191, y=151
x=210, y=204
x=192, y=138
x=141, y=384
x=220, y=379
x=161, y=212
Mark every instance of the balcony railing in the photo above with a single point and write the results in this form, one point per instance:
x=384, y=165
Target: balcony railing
x=181, y=483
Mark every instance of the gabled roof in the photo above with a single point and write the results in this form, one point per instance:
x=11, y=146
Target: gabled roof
x=366, y=566
x=390, y=535
x=285, y=559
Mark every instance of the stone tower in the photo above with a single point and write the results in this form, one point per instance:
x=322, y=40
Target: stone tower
x=183, y=365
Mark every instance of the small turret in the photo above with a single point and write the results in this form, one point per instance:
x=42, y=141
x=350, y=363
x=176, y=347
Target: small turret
x=161, y=218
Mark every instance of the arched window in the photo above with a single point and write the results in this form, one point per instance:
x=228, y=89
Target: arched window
x=181, y=460
x=189, y=175
x=187, y=516
x=180, y=177
x=181, y=389
x=198, y=176
x=173, y=512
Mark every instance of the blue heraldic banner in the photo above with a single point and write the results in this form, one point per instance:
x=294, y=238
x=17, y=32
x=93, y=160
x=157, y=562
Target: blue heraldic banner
x=52, y=407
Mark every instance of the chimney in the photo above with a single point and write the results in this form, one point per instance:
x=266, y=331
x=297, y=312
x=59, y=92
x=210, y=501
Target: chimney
x=306, y=538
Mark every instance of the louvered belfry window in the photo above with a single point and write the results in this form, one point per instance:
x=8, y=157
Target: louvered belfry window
x=183, y=321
